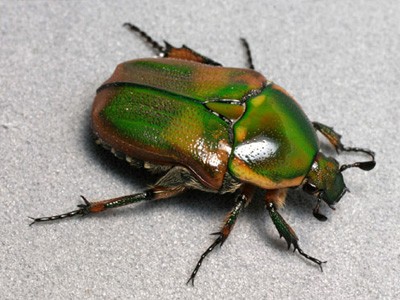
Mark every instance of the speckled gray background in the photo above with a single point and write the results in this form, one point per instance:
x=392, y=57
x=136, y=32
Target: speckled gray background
x=340, y=60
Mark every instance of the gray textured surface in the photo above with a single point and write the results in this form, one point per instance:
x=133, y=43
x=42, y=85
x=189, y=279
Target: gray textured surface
x=340, y=59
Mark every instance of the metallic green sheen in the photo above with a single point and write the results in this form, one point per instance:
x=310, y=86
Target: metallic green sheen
x=274, y=137
x=194, y=80
x=169, y=125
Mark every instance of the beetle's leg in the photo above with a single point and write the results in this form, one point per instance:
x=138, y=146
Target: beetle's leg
x=155, y=193
x=187, y=53
x=248, y=53
x=334, y=138
x=170, y=51
x=242, y=201
x=174, y=182
x=284, y=228
x=156, y=46
x=316, y=212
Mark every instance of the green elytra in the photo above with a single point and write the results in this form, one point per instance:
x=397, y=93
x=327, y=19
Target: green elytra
x=162, y=113
x=216, y=129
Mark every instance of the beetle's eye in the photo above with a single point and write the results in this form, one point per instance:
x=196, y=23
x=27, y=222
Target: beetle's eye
x=310, y=188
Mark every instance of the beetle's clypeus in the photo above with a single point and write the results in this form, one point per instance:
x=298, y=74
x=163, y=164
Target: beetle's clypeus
x=216, y=129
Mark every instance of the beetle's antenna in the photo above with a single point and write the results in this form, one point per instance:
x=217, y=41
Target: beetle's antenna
x=248, y=53
x=148, y=39
x=363, y=165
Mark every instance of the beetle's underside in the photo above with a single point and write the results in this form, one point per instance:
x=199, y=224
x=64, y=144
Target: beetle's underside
x=225, y=143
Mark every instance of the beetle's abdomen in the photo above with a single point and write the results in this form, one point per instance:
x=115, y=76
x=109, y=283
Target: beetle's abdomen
x=164, y=128
x=274, y=142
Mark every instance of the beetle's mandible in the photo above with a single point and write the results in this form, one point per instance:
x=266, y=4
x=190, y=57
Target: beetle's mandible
x=221, y=130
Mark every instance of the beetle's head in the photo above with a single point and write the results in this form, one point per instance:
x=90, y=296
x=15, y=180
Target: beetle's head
x=325, y=179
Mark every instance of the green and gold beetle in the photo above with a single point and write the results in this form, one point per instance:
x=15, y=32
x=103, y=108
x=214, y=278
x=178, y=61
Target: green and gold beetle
x=216, y=129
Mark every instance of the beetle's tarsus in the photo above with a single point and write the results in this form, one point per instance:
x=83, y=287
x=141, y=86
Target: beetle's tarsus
x=83, y=210
x=242, y=201
x=33, y=222
x=363, y=165
x=288, y=233
x=317, y=214
x=358, y=149
x=202, y=257
x=148, y=39
x=190, y=279
x=313, y=259
x=248, y=53
x=334, y=138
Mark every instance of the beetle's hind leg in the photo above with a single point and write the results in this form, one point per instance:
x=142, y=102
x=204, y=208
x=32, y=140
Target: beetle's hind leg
x=248, y=53
x=176, y=181
x=169, y=51
x=242, y=201
x=148, y=39
x=273, y=199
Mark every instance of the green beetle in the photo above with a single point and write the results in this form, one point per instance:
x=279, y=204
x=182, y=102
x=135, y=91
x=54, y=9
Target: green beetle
x=216, y=129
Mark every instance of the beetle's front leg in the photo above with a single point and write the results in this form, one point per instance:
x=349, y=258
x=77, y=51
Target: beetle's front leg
x=332, y=136
x=284, y=228
x=242, y=201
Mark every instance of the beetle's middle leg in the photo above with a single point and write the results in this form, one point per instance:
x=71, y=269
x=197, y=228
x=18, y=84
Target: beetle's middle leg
x=154, y=193
x=174, y=182
x=242, y=201
x=274, y=199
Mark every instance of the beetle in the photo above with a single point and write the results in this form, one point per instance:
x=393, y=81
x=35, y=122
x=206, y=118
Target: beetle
x=216, y=129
